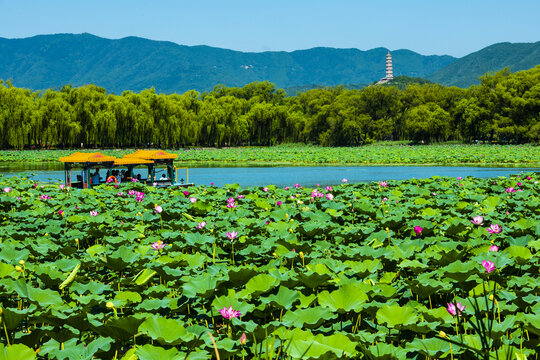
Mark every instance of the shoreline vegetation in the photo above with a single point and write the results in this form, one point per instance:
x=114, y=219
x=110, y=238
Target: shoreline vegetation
x=379, y=154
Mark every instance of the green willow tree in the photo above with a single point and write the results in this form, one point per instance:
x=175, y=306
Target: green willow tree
x=504, y=108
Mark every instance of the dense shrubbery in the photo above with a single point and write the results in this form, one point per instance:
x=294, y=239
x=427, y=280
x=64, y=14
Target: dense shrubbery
x=504, y=108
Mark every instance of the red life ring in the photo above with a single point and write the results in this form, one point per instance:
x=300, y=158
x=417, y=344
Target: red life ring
x=111, y=178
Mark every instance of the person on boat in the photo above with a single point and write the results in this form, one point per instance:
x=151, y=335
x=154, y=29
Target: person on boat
x=95, y=177
x=163, y=177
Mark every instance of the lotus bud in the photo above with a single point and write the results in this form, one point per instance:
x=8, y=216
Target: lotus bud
x=110, y=305
x=275, y=255
x=243, y=339
x=21, y=262
x=18, y=268
x=442, y=334
x=301, y=254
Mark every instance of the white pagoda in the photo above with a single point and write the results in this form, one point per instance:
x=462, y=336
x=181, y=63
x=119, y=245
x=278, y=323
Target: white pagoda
x=389, y=70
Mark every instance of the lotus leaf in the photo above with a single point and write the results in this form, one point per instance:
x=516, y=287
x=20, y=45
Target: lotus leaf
x=150, y=352
x=261, y=284
x=310, y=318
x=434, y=347
x=347, y=298
x=460, y=271
x=384, y=351
x=395, y=315
x=16, y=352
x=120, y=329
x=285, y=298
x=166, y=331
x=337, y=346
x=144, y=276
x=520, y=253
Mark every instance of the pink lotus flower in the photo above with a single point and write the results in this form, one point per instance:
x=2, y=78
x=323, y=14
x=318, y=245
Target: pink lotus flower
x=211, y=184
x=385, y=199
x=518, y=184
x=383, y=184
x=61, y=212
x=229, y=313
x=158, y=209
x=265, y=189
x=7, y=190
x=494, y=229
x=93, y=213
x=140, y=197
x=329, y=188
x=297, y=185
x=478, y=220
x=240, y=196
x=230, y=200
x=243, y=339
x=186, y=193
x=529, y=178
x=201, y=225
x=455, y=309
x=494, y=248
x=286, y=188
x=459, y=178
x=62, y=186
x=44, y=197
x=488, y=265
x=510, y=190
x=278, y=203
x=231, y=205
x=133, y=180
x=344, y=180
x=418, y=230
x=330, y=196
x=193, y=200
x=158, y=245
x=231, y=235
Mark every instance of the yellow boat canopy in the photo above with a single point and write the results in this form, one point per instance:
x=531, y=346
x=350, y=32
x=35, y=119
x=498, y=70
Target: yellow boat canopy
x=79, y=157
x=152, y=155
x=131, y=160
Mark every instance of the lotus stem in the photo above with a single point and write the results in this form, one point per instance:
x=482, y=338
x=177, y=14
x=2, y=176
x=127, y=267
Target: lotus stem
x=5, y=330
x=214, y=342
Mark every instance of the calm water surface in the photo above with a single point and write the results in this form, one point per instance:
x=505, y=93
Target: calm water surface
x=286, y=176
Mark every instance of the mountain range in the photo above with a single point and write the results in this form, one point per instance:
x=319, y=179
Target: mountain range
x=132, y=63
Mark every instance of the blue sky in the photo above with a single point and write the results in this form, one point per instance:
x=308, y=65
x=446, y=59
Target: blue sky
x=438, y=27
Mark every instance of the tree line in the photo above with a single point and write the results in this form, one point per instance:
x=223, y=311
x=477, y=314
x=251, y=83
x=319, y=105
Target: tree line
x=504, y=108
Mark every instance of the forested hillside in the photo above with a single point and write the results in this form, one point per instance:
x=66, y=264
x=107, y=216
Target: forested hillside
x=467, y=70
x=505, y=108
x=50, y=61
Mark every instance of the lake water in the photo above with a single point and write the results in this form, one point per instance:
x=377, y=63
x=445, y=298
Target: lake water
x=288, y=176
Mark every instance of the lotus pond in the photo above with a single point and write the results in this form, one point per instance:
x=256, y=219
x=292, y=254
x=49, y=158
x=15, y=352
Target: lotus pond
x=442, y=267
x=380, y=154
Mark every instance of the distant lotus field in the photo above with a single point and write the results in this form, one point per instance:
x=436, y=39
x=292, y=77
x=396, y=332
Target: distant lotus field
x=444, y=268
x=378, y=154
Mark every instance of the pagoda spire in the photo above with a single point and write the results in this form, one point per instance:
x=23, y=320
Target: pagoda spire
x=389, y=69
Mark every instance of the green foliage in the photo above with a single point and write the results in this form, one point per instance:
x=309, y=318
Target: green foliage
x=504, y=108
x=312, y=277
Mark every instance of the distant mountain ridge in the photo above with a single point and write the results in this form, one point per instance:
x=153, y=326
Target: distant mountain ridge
x=465, y=71
x=132, y=63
